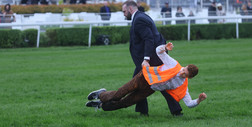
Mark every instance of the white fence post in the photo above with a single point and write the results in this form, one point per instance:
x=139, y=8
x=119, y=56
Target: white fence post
x=189, y=29
x=90, y=35
x=38, y=36
x=237, y=29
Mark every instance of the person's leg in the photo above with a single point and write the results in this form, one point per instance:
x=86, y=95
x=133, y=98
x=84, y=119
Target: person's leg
x=141, y=93
x=131, y=99
x=129, y=87
x=142, y=105
x=173, y=105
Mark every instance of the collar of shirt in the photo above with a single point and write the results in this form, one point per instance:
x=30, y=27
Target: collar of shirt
x=133, y=15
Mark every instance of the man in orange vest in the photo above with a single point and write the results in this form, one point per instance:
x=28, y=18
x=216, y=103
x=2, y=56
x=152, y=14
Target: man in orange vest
x=170, y=76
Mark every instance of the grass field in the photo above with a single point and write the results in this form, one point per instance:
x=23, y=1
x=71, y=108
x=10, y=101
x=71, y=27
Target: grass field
x=49, y=86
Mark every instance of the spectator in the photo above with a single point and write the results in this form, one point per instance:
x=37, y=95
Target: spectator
x=249, y=8
x=180, y=13
x=244, y=12
x=8, y=14
x=166, y=12
x=1, y=15
x=24, y=1
x=191, y=15
x=82, y=2
x=105, y=12
x=54, y=1
x=33, y=2
x=44, y=2
x=140, y=8
x=212, y=12
x=73, y=1
x=220, y=12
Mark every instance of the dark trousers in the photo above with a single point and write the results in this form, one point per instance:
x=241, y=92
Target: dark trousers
x=129, y=94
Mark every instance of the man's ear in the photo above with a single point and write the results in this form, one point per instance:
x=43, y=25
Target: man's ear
x=130, y=9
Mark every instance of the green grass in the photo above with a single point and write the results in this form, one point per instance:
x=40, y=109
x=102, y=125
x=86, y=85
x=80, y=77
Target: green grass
x=49, y=86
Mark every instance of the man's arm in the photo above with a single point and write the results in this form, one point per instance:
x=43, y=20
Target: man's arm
x=144, y=32
x=193, y=103
x=164, y=57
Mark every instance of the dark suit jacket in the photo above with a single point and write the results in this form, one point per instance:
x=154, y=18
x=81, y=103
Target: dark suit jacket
x=144, y=38
x=104, y=14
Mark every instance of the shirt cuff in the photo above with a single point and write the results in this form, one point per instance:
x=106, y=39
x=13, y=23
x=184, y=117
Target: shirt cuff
x=146, y=58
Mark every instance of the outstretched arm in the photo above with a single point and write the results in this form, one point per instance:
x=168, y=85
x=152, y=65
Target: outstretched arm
x=202, y=97
x=193, y=103
x=168, y=47
x=164, y=57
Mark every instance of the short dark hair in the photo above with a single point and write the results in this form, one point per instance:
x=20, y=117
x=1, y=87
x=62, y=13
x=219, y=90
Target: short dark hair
x=193, y=70
x=130, y=3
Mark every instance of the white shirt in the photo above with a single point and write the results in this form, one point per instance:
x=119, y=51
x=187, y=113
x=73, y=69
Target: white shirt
x=176, y=81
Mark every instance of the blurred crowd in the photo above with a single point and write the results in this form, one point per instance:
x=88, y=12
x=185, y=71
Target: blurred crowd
x=46, y=2
x=215, y=9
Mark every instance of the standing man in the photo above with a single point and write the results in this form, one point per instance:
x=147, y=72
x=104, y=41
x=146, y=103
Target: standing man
x=82, y=1
x=73, y=1
x=105, y=12
x=212, y=12
x=166, y=12
x=144, y=38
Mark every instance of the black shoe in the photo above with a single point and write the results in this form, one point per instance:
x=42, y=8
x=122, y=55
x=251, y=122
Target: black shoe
x=178, y=114
x=95, y=94
x=95, y=104
x=144, y=114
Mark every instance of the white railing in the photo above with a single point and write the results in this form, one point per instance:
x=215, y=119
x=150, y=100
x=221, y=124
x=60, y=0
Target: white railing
x=91, y=23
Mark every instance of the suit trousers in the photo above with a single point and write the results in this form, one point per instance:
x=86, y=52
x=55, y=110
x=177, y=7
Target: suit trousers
x=129, y=94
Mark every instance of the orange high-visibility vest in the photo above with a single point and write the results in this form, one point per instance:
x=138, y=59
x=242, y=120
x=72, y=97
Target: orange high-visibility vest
x=153, y=75
x=179, y=92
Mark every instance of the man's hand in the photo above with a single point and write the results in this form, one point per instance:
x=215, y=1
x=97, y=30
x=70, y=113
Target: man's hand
x=202, y=97
x=169, y=46
x=145, y=63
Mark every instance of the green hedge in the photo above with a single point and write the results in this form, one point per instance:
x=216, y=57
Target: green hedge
x=117, y=34
x=79, y=36
x=10, y=38
x=206, y=31
x=29, y=38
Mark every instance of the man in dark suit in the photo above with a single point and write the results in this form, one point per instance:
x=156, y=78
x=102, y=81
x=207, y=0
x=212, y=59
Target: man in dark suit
x=212, y=12
x=105, y=11
x=44, y=2
x=166, y=12
x=73, y=1
x=24, y=1
x=82, y=2
x=34, y=2
x=144, y=38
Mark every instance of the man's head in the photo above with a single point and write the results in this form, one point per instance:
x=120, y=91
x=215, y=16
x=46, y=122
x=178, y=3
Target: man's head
x=219, y=6
x=189, y=71
x=213, y=4
x=128, y=8
x=105, y=3
x=167, y=4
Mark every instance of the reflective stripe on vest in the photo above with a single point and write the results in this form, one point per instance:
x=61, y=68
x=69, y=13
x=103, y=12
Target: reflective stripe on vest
x=153, y=74
x=180, y=92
